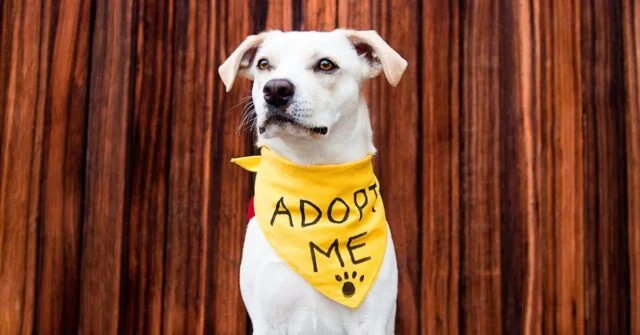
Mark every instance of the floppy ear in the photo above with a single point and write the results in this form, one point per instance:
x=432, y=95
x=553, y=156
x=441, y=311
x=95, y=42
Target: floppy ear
x=380, y=55
x=240, y=60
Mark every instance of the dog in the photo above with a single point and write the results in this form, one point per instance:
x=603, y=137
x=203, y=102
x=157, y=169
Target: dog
x=310, y=110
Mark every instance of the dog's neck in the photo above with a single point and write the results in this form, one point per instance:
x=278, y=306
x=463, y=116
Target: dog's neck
x=349, y=140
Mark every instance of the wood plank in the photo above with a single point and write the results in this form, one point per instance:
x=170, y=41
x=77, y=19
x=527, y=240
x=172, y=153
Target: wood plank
x=480, y=211
x=234, y=185
x=356, y=14
x=605, y=165
x=64, y=163
x=149, y=168
x=106, y=171
x=631, y=43
x=22, y=96
x=559, y=156
x=396, y=126
x=319, y=15
x=519, y=233
x=274, y=14
x=441, y=182
x=189, y=191
x=199, y=297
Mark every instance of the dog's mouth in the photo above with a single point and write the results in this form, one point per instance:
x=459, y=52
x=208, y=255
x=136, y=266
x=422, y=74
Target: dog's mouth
x=280, y=118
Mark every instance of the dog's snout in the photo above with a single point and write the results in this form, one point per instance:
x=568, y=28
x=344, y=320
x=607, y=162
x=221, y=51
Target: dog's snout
x=278, y=92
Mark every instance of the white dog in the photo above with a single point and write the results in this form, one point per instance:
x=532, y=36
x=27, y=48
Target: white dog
x=307, y=92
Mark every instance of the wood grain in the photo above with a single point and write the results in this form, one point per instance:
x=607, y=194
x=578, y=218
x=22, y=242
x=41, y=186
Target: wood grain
x=519, y=233
x=225, y=310
x=189, y=192
x=604, y=136
x=277, y=14
x=21, y=129
x=396, y=125
x=106, y=199
x=63, y=165
x=631, y=43
x=319, y=15
x=509, y=157
x=143, y=279
x=559, y=153
x=440, y=168
x=480, y=211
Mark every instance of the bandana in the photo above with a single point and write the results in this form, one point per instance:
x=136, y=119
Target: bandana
x=327, y=222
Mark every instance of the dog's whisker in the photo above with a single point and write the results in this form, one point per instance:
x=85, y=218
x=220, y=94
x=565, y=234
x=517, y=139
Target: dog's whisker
x=241, y=101
x=248, y=119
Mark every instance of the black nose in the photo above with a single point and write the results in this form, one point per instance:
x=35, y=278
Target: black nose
x=278, y=92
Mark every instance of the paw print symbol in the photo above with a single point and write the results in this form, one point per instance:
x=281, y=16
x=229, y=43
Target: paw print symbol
x=348, y=289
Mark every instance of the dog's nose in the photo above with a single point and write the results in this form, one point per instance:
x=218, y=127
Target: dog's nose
x=278, y=92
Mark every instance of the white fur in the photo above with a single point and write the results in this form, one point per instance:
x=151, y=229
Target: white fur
x=277, y=299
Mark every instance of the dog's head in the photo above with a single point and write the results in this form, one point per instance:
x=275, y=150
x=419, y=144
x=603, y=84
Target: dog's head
x=305, y=82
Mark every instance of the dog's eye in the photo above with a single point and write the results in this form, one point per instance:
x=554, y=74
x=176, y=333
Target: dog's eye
x=326, y=65
x=263, y=64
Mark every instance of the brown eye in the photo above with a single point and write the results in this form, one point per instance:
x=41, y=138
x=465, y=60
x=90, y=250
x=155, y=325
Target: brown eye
x=263, y=64
x=326, y=65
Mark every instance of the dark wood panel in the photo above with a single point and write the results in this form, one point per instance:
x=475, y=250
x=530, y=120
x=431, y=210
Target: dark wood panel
x=189, y=176
x=605, y=183
x=519, y=233
x=63, y=165
x=22, y=102
x=233, y=186
x=356, y=14
x=559, y=157
x=143, y=277
x=106, y=199
x=276, y=14
x=509, y=158
x=440, y=169
x=319, y=15
x=631, y=43
x=480, y=212
x=395, y=114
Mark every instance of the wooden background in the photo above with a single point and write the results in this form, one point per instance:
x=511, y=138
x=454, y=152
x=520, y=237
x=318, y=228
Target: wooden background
x=512, y=143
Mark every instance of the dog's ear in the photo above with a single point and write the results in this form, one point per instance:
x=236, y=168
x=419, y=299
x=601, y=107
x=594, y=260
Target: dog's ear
x=240, y=60
x=379, y=54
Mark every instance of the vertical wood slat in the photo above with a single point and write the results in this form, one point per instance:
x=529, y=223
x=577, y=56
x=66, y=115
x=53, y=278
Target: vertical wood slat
x=21, y=129
x=631, y=47
x=319, y=15
x=604, y=160
x=519, y=234
x=480, y=212
x=277, y=14
x=356, y=15
x=225, y=309
x=63, y=166
x=188, y=184
x=106, y=171
x=440, y=169
x=395, y=117
x=559, y=152
x=143, y=279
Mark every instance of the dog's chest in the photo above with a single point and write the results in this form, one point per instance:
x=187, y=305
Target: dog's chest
x=277, y=298
x=274, y=293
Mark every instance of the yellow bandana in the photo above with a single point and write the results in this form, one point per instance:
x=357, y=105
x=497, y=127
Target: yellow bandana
x=326, y=222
